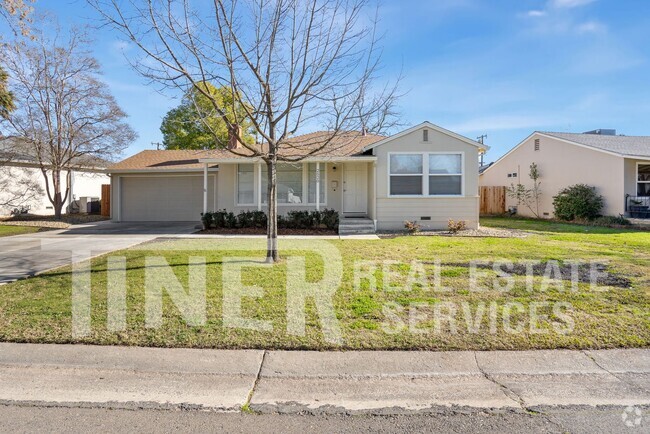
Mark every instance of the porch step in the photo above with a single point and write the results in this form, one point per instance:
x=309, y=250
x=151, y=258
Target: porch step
x=356, y=226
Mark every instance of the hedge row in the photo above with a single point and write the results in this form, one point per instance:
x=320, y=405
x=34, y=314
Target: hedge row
x=325, y=219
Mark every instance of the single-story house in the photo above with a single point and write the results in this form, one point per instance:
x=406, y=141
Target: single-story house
x=22, y=184
x=618, y=166
x=425, y=173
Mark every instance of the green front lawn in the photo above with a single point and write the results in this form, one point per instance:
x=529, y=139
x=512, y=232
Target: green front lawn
x=39, y=309
x=8, y=230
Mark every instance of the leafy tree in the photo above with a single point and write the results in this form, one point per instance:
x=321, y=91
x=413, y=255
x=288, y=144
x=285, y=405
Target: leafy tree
x=196, y=125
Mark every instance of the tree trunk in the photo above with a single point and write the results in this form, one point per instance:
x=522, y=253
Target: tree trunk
x=272, y=254
x=58, y=199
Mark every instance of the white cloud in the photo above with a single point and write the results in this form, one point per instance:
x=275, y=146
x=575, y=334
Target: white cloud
x=569, y=3
x=591, y=27
x=536, y=13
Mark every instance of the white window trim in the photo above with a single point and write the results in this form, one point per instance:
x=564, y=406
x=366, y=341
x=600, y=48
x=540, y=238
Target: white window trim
x=637, y=177
x=425, y=175
x=257, y=186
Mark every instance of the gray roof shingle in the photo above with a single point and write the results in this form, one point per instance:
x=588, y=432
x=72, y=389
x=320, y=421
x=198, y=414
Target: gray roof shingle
x=628, y=146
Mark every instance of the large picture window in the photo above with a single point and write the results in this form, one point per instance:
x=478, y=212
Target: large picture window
x=643, y=180
x=426, y=174
x=296, y=183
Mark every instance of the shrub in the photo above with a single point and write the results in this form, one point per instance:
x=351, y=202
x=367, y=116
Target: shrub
x=456, y=226
x=329, y=218
x=412, y=227
x=206, y=219
x=258, y=219
x=578, y=201
x=300, y=219
x=611, y=221
x=326, y=218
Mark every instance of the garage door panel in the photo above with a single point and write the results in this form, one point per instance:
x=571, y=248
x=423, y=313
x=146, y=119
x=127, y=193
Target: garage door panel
x=173, y=198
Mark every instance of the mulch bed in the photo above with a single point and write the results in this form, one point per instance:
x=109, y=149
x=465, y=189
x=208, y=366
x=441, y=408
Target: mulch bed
x=482, y=232
x=262, y=231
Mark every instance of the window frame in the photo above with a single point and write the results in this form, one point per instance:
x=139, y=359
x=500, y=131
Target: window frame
x=257, y=187
x=237, y=185
x=636, y=178
x=425, y=175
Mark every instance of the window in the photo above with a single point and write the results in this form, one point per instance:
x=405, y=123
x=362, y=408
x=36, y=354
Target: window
x=406, y=174
x=427, y=174
x=245, y=184
x=445, y=174
x=288, y=181
x=537, y=144
x=293, y=181
x=643, y=180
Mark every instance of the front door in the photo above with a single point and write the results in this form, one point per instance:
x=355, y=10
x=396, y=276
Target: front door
x=355, y=188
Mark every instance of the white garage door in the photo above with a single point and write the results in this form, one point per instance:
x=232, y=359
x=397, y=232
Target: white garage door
x=173, y=198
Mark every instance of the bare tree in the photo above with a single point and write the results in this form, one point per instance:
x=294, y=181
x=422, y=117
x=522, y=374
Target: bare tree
x=17, y=14
x=289, y=63
x=63, y=110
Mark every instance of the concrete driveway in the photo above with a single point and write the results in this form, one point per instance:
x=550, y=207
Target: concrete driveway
x=27, y=255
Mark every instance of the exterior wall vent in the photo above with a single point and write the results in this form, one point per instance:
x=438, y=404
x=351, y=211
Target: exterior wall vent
x=537, y=144
x=425, y=135
x=428, y=217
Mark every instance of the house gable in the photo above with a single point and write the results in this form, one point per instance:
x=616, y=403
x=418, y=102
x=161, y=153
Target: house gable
x=429, y=127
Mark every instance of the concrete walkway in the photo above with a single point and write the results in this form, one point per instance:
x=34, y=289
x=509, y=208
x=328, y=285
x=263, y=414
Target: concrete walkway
x=320, y=382
x=27, y=255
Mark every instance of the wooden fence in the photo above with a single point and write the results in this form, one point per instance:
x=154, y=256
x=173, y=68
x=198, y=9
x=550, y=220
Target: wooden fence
x=493, y=200
x=106, y=200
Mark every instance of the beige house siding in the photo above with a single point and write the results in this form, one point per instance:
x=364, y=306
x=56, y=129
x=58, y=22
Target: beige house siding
x=392, y=211
x=560, y=164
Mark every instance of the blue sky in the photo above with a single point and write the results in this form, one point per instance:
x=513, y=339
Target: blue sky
x=496, y=67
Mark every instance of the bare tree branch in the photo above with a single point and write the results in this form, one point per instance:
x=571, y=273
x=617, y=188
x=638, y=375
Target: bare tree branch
x=288, y=64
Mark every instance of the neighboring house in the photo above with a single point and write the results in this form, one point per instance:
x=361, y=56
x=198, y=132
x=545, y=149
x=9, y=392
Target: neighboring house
x=425, y=173
x=20, y=174
x=618, y=166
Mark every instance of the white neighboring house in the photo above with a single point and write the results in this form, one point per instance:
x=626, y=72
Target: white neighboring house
x=618, y=166
x=21, y=171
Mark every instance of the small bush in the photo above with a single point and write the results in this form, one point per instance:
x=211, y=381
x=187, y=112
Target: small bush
x=329, y=218
x=207, y=220
x=456, y=226
x=578, y=201
x=258, y=219
x=412, y=227
x=611, y=221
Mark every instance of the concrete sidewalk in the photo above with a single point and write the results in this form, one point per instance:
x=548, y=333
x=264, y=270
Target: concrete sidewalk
x=320, y=382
